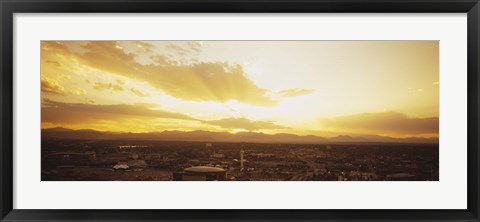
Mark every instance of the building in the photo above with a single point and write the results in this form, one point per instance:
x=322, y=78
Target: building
x=217, y=155
x=400, y=177
x=262, y=155
x=201, y=173
x=72, y=156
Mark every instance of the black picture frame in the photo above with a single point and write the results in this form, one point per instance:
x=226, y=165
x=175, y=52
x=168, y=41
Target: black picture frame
x=9, y=7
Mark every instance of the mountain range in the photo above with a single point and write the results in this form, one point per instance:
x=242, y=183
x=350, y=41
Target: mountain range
x=207, y=136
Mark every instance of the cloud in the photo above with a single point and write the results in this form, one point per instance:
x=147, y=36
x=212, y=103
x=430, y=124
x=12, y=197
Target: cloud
x=54, y=63
x=185, y=48
x=243, y=123
x=52, y=86
x=161, y=60
x=139, y=93
x=144, y=46
x=295, y=92
x=177, y=49
x=201, y=81
x=393, y=123
x=54, y=46
x=104, y=86
x=79, y=92
x=90, y=115
x=214, y=81
x=74, y=113
x=196, y=46
x=121, y=82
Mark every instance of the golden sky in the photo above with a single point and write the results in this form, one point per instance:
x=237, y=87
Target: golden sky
x=323, y=88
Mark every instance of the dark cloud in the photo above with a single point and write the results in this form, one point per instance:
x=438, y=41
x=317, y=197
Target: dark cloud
x=139, y=93
x=68, y=113
x=81, y=113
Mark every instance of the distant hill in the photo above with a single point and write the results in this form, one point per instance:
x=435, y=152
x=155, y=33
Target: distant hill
x=64, y=133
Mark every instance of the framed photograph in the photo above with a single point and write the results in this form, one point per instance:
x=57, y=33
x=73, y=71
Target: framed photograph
x=230, y=110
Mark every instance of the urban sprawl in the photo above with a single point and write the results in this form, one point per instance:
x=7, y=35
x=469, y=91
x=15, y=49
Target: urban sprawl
x=104, y=160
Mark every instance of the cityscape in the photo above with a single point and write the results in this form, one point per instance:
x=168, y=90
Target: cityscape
x=240, y=111
x=147, y=160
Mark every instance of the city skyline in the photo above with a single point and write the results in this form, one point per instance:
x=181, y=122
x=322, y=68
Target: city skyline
x=321, y=88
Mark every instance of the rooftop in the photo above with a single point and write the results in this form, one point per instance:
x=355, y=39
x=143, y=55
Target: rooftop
x=204, y=169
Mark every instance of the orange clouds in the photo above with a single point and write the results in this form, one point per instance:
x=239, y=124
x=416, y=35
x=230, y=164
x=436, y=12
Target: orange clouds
x=204, y=81
x=231, y=86
x=390, y=123
x=139, y=93
x=52, y=86
x=384, y=123
x=146, y=47
x=54, y=112
x=104, y=86
x=71, y=113
x=79, y=92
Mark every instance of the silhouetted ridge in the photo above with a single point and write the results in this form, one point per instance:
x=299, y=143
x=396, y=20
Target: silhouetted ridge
x=175, y=135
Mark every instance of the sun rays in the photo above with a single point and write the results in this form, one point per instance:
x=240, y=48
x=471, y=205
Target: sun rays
x=303, y=88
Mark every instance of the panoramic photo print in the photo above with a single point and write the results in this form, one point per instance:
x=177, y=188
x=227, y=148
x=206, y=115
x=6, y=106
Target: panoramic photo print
x=240, y=111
